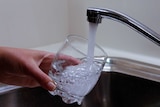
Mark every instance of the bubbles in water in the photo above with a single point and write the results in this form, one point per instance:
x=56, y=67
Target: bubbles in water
x=76, y=81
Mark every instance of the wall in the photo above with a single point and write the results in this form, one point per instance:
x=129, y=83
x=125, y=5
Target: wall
x=32, y=23
x=115, y=35
x=35, y=23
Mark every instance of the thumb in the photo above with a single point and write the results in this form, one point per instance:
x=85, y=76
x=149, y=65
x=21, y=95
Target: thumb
x=43, y=79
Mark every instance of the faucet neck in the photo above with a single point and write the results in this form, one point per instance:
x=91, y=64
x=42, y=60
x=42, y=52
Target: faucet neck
x=95, y=15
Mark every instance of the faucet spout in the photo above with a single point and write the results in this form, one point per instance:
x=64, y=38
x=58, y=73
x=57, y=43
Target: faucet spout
x=95, y=15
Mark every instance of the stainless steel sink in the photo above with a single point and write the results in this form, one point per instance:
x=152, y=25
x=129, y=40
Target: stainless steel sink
x=123, y=83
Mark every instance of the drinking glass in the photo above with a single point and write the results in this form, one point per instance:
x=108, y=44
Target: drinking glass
x=76, y=76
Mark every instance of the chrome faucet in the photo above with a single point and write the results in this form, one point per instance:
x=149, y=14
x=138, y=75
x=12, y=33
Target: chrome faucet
x=95, y=15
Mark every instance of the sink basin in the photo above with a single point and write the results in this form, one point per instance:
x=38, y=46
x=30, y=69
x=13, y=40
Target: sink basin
x=123, y=83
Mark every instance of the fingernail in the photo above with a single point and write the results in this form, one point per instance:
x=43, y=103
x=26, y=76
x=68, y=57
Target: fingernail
x=51, y=86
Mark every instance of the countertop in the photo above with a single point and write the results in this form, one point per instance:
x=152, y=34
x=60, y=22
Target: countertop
x=110, y=52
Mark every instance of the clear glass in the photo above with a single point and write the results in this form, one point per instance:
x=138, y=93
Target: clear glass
x=76, y=81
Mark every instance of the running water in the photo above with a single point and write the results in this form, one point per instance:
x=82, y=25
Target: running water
x=91, y=42
x=74, y=82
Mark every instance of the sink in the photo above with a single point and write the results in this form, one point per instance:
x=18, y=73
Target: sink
x=123, y=83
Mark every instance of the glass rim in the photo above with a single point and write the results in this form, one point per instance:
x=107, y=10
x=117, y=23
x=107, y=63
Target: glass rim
x=85, y=39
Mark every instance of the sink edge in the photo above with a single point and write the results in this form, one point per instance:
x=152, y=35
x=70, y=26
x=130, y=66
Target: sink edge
x=117, y=64
x=132, y=67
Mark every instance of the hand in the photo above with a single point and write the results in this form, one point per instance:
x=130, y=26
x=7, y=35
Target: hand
x=28, y=68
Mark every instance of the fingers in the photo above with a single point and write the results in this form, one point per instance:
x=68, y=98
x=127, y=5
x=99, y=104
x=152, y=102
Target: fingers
x=42, y=70
x=43, y=79
x=45, y=64
x=69, y=59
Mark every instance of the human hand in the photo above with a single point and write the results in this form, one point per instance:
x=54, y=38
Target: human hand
x=28, y=68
